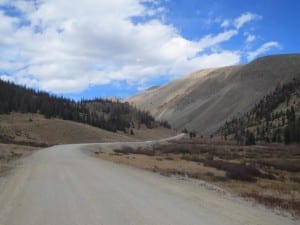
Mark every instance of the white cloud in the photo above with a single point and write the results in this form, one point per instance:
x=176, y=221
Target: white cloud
x=250, y=38
x=262, y=49
x=210, y=40
x=225, y=23
x=224, y=58
x=70, y=47
x=240, y=21
x=245, y=18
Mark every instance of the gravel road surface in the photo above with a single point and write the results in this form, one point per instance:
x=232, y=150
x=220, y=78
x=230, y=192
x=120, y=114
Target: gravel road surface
x=63, y=185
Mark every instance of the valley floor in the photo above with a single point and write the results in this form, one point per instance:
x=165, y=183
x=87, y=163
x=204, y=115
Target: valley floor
x=277, y=183
x=268, y=174
x=23, y=133
x=64, y=185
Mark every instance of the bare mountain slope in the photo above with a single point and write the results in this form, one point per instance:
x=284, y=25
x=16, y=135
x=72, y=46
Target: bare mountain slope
x=204, y=100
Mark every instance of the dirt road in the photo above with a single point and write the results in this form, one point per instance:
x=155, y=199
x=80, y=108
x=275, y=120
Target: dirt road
x=63, y=185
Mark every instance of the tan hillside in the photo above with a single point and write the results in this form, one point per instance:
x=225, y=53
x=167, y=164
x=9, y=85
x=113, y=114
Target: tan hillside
x=204, y=100
x=20, y=134
x=35, y=128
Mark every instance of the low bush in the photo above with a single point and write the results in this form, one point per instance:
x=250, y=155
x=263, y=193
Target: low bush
x=175, y=149
x=192, y=158
x=239, y=174
x=168, y=158
x=129, y=150
x=234, y=170
x=185, y=148
x=295, y=179
x=291, y=205
x=282, y=164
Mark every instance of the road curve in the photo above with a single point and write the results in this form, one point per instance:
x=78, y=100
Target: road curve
x=62, y=185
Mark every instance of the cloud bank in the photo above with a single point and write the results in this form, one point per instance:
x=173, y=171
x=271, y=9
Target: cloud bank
x=67, y=46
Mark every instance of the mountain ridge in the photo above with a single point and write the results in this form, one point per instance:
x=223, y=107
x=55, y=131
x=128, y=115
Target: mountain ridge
x=204, y=100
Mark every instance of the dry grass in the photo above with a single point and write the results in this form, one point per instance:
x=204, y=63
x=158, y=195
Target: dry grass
x=22, y=133
x=32, y=129
x=35, y=128
x=270, y=200
x=165, y=164
x=11, y=152
x=128, y=150
x=268, y=174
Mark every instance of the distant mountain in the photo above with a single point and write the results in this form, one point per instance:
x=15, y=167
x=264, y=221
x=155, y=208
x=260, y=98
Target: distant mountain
x=111, y=115
x=205, y=100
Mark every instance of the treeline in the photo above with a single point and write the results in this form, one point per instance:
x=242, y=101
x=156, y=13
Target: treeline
x=273, y=119
x=292, y=130
x=101, y=113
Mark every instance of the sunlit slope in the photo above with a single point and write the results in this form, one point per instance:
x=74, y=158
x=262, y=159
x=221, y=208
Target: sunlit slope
x=204, y=100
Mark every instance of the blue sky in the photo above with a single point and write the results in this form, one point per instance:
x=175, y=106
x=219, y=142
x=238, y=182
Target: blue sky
x=98, y=48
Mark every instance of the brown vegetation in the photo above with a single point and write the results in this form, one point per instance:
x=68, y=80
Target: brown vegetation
x=36, y=130
x=10, y=153
x=270, y=173
x=21, y=133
